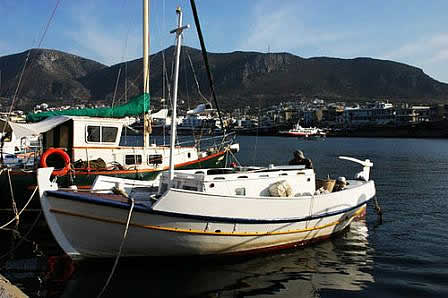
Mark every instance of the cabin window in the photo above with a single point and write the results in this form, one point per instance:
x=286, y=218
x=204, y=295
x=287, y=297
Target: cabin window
x=108, y=134
x=155, y=159
x=93, y=134
x=132, y=159
x=240, y=191
x=101, y=134
x=188, y=187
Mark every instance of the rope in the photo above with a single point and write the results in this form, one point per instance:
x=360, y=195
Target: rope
x=196, y=80
x=14, y=205
x=122, y=240
x=26, y=62
x=378, y=210
x=206, y=139
x=116, y=86
x=204, y=56
x=23, y=209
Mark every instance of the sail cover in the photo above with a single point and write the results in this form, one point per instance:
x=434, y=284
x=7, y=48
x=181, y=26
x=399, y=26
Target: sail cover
x=34, y=129
x=134, y=107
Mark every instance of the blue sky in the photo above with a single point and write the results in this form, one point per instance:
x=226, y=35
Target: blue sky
x=109, y=31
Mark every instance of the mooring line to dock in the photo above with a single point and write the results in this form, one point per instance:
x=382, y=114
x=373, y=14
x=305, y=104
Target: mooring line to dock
x=378, y=210
x=122, y=240
x=11, y=190
x=18, y=213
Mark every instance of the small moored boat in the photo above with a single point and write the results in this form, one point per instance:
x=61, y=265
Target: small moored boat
x=203, y=212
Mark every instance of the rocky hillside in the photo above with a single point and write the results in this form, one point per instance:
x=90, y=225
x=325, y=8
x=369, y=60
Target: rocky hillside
x=49, y=75
x=241, y=78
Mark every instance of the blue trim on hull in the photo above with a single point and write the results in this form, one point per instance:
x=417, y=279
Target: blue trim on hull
x=144, y=209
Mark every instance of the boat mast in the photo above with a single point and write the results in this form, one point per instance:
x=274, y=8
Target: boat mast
x=207, y=66
x=145, y=69
x=178, y=32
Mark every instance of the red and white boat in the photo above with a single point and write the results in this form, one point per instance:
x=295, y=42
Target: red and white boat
x=299, y=131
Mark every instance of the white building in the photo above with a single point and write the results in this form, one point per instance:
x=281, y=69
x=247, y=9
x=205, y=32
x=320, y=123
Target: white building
x=377, y=114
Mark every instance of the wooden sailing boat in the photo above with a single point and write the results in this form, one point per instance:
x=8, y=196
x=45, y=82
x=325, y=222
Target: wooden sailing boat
x=203, y=212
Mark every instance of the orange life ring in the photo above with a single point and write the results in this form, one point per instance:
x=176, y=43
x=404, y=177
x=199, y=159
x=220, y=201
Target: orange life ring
x=61, y=153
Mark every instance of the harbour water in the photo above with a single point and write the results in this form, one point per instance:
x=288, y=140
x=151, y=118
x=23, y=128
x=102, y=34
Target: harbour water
x=404, y=256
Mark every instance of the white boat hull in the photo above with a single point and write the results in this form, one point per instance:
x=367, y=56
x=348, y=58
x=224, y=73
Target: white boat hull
x=185, y=223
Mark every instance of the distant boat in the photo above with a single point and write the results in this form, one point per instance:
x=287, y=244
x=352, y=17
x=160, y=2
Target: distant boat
x=222, y=211
x=299, y=131
x=16, y=150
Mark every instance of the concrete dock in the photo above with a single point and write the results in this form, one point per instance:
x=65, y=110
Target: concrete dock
x=8, y=290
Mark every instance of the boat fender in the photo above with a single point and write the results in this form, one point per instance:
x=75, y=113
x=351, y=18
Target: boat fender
x=280, y=189
x=62, y=154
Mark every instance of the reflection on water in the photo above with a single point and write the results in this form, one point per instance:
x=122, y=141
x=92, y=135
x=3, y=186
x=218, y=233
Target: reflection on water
x=342, y=263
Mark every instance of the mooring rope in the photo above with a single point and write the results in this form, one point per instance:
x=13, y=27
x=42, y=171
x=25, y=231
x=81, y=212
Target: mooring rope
x=16, y=93
x=120, y=191
x=14, y=205
x=23, y=209
x=378, y=210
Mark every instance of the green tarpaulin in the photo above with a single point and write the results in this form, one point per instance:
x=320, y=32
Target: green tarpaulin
x=134, y=107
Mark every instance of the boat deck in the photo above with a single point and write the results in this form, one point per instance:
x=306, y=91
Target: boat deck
x=139, y=194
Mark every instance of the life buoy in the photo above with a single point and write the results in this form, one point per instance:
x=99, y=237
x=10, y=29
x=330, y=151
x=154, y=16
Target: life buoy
x=62, y=154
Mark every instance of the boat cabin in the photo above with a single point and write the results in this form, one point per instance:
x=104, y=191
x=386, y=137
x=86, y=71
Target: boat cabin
x=87, y=139
x=248, y=182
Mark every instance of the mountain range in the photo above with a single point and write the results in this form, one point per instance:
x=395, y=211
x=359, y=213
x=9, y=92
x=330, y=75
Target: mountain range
x=240, y=78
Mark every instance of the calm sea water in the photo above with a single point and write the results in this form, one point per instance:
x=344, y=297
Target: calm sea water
x=405, y=256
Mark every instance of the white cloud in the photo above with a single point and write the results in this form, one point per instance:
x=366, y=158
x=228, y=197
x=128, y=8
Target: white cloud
x=429, y=53
x=431, y=49
x=108, y=43
x=281, y=27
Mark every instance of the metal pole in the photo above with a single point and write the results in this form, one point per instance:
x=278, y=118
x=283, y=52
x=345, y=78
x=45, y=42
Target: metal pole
x=178, y=32
x=145, y=67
